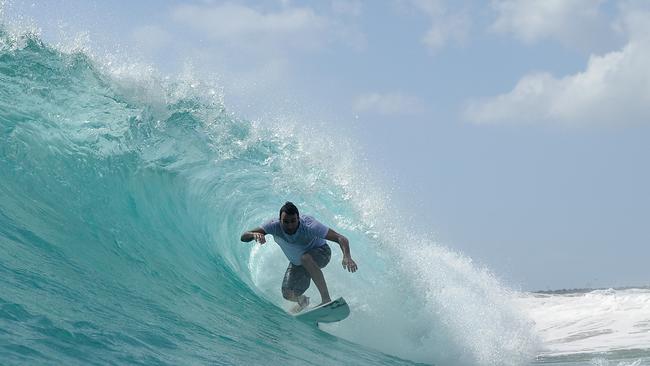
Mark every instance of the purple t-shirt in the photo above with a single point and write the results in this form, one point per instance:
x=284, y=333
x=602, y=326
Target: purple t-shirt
x=310, y=234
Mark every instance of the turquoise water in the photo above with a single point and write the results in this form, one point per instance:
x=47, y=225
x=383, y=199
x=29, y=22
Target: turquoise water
x=122, y=198
x=117, y=223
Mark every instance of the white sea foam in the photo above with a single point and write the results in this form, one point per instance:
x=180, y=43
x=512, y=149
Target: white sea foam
x=596, y=321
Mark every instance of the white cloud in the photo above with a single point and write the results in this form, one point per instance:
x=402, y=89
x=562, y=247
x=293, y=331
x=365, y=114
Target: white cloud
x=347, y=7
x=237, y=23
x=634, y=20
x=455, y=27
x=388, y=104
x=262, y=32
x=614, y=88
x=576, y=23
x=445, y=25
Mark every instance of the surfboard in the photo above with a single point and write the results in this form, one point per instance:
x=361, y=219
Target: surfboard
x=330, y=312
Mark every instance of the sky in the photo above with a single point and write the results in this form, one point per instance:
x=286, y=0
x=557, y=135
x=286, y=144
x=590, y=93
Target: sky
x=515, y=131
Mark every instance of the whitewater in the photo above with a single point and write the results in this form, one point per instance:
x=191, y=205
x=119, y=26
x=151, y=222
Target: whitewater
x=122, y=198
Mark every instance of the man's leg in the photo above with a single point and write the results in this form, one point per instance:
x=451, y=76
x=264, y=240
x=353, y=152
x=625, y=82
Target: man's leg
x=317, y=276
x=302, y=300
x=295, y=283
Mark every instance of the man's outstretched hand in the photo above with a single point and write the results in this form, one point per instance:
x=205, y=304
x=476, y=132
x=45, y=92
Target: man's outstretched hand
x=349, y=264
x=259, y=237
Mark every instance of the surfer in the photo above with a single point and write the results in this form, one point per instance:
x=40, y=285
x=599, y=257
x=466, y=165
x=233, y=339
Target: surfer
x=303, y=241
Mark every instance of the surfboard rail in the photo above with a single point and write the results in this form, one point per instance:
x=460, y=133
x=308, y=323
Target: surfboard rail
x=331, y=312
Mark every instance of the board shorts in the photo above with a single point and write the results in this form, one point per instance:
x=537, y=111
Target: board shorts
x=297, y=279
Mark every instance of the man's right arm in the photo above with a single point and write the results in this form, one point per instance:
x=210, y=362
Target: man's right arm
x=258, y=234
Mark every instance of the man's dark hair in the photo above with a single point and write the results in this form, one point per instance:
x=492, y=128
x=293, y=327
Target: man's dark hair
x=289, y=208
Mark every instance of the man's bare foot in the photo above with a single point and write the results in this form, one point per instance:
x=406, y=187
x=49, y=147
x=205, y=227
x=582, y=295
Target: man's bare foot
x=303, y=302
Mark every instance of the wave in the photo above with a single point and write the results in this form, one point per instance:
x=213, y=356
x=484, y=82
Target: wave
x=122, y=198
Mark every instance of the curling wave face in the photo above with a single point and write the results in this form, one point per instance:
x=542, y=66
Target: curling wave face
x=121, y=203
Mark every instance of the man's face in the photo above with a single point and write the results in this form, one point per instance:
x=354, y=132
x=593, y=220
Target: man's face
x=289, y=223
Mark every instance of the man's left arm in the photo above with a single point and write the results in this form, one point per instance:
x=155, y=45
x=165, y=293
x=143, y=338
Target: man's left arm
x=343, y=242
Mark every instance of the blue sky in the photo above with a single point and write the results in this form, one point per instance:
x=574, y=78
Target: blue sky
x=518, y=131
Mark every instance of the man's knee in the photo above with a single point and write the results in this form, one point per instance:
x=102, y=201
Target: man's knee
x=307, y=259
x=288, y=294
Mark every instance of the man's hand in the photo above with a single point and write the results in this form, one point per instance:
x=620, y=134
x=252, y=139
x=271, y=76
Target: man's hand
x=349, y=264
x=259, y=237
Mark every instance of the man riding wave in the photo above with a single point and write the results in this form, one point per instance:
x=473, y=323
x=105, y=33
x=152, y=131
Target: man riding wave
x=304, y=241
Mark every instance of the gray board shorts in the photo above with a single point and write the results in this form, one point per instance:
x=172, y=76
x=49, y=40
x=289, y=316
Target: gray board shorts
x=297, y=279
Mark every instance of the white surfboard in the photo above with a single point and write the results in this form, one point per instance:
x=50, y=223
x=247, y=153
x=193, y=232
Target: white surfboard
x=330, y=312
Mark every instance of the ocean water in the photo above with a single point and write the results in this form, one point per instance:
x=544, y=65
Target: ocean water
x=122, y=198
